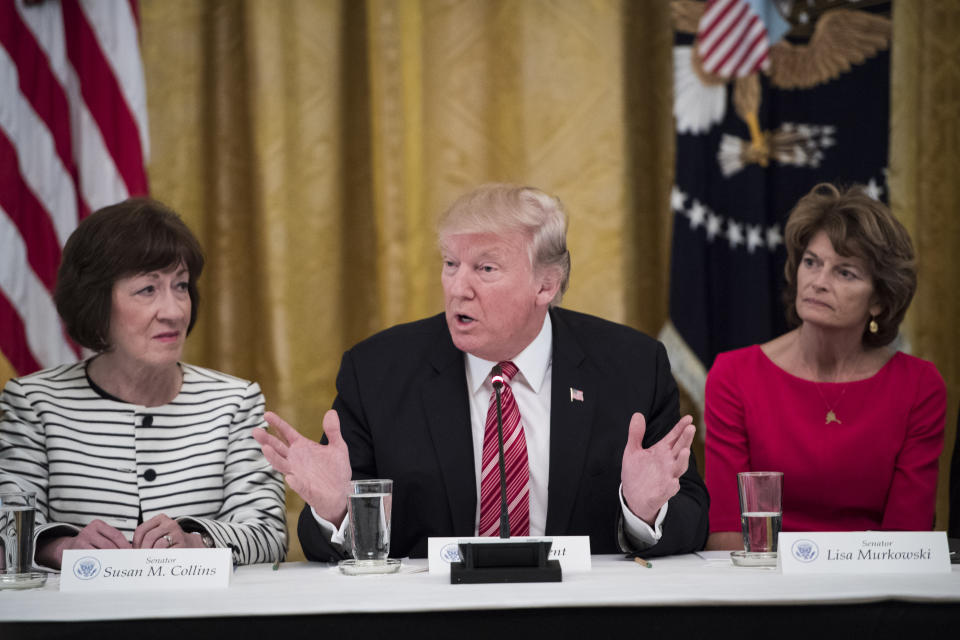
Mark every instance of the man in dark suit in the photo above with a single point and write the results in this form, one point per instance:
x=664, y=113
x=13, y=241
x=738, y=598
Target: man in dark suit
x=608, y=454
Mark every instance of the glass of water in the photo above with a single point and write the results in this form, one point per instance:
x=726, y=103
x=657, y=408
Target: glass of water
x=761, y=515
x=368, y=510
x=18, y=512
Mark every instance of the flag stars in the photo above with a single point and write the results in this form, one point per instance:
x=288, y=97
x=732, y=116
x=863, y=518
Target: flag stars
x=734, y=234
x=737, y=234
x=714, y=222
x=874, y=190
x=677, y=199
x=773, y=237
x=697, y=214
x=754, y=237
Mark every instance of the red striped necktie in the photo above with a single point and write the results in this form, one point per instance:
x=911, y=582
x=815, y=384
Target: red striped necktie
x=516, y=467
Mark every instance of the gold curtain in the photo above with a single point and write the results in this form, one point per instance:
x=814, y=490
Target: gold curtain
x=925, y=187
x=311, y=144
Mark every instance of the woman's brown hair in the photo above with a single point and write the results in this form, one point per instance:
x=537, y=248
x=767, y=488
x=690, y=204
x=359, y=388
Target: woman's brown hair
x=859, y=226
x=135, y=236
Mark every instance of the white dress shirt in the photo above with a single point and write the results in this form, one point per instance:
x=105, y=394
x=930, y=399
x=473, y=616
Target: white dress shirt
x=531, y=387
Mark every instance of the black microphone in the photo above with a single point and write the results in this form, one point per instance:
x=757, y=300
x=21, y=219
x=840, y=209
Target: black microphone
x=497, y=380
x=504, y=560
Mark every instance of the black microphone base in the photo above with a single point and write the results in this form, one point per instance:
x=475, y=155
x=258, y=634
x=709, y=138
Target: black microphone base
x=492, y=562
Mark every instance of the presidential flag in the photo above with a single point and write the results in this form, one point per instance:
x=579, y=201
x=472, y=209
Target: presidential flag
x=748, y=147
x=73, y=138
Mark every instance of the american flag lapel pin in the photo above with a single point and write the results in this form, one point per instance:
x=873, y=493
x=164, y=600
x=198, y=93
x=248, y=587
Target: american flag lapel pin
x=576, y=394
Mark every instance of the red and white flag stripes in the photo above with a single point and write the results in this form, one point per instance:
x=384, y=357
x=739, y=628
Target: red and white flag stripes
x=73, y=138
x=732, y=38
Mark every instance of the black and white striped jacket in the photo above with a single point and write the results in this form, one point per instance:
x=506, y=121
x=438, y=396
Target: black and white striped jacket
x=90, y=456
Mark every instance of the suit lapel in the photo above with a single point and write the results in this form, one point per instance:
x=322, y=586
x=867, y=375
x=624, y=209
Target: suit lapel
x=447, y=411
x=571, y=421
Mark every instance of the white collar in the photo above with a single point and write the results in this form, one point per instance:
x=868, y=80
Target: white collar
x=532, y=362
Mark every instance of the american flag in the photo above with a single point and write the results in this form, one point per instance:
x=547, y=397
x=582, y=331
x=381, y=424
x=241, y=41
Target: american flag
x=73, y=138
x=734, y=36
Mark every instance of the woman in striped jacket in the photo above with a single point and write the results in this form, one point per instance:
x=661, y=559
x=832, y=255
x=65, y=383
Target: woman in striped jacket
x=132, y=448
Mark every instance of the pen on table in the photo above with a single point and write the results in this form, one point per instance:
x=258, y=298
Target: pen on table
x=641, y=561
x=276, y=566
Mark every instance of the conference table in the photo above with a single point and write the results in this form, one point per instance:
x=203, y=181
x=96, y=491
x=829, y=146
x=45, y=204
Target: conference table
x=688, y=596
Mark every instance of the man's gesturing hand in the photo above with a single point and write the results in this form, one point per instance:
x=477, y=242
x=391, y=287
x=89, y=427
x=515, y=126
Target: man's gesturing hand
x=651, y=476
x=320, y=474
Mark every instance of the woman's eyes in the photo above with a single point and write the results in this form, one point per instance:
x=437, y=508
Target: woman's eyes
x=151, y=289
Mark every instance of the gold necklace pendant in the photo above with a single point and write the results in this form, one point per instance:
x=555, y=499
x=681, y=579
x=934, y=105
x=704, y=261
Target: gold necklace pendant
x=832, y=417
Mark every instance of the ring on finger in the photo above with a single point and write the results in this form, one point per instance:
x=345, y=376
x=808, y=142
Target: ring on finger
x=169, y=540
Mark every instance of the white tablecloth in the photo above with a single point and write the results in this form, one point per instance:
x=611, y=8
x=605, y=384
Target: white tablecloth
x=303, y=588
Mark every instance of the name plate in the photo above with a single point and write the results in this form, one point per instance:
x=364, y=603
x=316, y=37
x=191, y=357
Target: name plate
x=145, y=569
x=573, y=552
x=864, y=552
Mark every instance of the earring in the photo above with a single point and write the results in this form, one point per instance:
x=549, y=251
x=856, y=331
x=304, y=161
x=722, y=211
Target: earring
x=874, y=327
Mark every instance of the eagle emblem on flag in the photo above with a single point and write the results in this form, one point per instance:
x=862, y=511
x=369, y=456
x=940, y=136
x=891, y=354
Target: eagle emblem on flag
x=770, y=98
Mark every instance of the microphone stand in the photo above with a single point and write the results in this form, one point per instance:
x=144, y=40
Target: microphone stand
x=497, y=381
x=504, y=560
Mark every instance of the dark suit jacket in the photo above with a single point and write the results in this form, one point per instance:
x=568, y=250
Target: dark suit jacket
x=404, y=413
